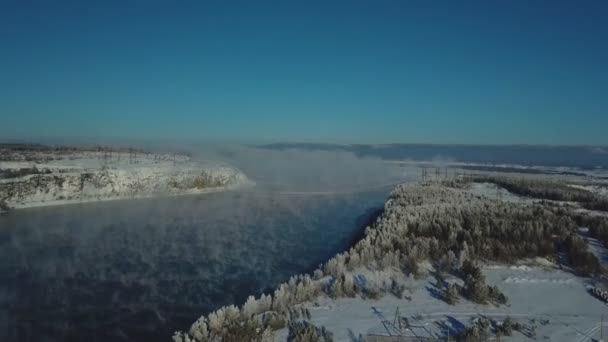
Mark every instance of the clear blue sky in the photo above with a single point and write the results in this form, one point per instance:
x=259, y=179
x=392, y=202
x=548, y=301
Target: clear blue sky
x=330, y=71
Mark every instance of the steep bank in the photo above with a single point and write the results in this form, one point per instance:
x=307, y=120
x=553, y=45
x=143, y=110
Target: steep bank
x=84, y=176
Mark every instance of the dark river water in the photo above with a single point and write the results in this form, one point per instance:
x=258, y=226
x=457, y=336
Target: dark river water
x=137, y=270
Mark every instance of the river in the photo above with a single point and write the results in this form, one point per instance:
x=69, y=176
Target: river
x=141, y=269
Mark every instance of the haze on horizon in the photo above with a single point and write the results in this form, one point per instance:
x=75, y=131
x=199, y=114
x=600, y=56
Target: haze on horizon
x=474, y=72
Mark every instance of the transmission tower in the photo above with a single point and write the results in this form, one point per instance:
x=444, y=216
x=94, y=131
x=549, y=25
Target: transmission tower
x=107, y=154
x=425, y=174
x=602, y=329
x=132, y=156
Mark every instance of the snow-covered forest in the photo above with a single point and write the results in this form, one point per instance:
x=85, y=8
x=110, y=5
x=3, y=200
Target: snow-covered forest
x=440, y=228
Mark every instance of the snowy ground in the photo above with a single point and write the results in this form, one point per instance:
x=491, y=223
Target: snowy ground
x=568, y=312
x=494, y=191
x=93, y=176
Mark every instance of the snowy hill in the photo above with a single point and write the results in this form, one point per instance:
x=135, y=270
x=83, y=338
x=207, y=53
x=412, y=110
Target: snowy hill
x=51, y=177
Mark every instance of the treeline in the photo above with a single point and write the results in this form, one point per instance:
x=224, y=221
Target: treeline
x=597, y=225
x=474, y=287
x=544, y=189
x=24, y=171
x=481, y=329
x=452, y=228
x=304, y=331
x=203, y=180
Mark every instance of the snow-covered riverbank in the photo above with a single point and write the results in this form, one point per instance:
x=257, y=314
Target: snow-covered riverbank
x=552, y=305
x=458, y=258
x=86, y=176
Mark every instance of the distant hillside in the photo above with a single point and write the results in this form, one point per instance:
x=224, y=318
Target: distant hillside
x=585, y=157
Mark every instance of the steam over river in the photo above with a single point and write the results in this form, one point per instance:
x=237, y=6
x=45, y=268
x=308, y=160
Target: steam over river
x=138, y=270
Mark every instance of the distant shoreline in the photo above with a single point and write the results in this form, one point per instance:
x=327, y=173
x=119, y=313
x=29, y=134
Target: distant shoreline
x=122, y=198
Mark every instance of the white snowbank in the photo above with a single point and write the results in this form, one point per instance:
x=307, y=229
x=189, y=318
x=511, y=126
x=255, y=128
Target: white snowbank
x=494, y=191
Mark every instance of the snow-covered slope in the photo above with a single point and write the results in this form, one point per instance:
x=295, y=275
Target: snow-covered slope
x=601, y=190
x=553, y=305
x=93, y=176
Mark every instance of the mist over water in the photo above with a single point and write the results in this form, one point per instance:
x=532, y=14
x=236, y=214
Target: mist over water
x=141, y=269
x=135, y=270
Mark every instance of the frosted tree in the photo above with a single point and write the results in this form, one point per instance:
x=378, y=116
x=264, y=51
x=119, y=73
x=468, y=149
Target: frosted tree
x=317, y=274
x=264, y=303
x=349, y=285
x=354, y=261
x=199, y=330
x=178, y=337
x=250, y=307
x=279, y=300
x=464, y=254
x=231, y=314
x=216, y=321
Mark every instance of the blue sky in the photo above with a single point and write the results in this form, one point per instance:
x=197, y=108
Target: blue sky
x=495, y=72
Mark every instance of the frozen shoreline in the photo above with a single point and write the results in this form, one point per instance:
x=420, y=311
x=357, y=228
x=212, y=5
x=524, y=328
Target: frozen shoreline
x=145, y=196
